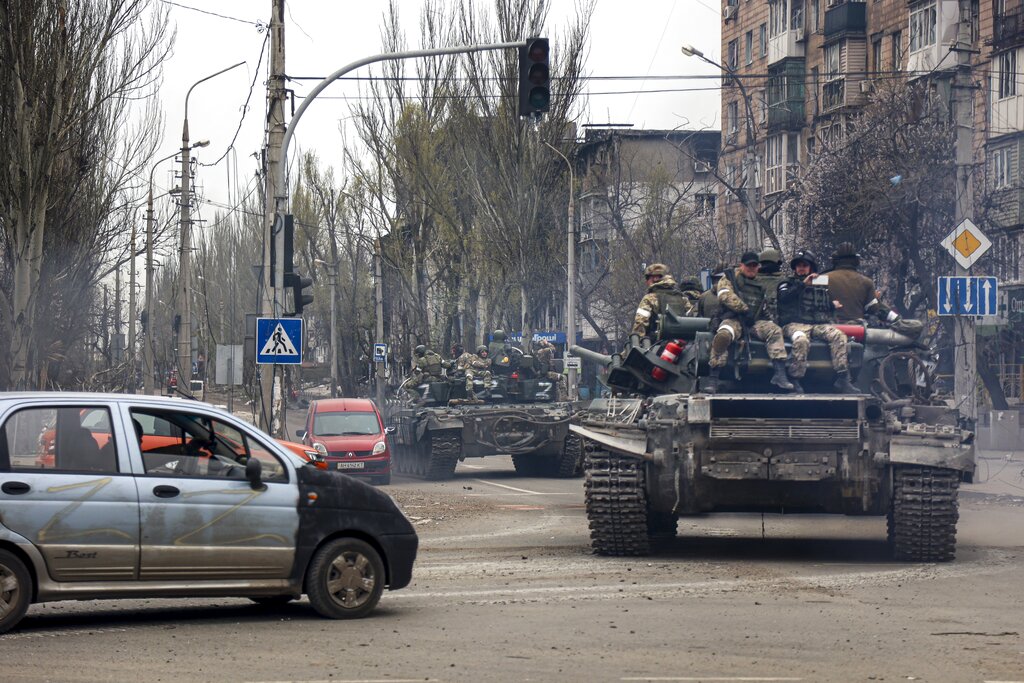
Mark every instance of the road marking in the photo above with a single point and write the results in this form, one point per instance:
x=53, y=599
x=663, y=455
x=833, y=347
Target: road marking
x=511, y=488
x=522, y=507
x=718, y=678
x=472, y=467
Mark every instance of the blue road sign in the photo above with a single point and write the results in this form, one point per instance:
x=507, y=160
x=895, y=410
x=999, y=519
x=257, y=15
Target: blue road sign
x=380, y=353
x=279, y=341
x=972, y=296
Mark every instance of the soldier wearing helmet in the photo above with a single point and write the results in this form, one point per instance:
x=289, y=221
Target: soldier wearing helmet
x=475, y=366
x=806, y=312
x=427, y=367
x=854, y=293
x=741, y=300
x=544, y=358
x=662, y=297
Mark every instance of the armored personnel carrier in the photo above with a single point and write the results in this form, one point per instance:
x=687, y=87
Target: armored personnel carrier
x=515, y=413
x=661, y=449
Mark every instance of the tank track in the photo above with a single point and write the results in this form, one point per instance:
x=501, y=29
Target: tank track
x=616, y=504
x=566, y=463
x=922, y=519
x=443, y=455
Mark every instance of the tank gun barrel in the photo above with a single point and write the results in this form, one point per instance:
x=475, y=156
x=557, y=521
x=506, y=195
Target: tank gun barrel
x=592, y=356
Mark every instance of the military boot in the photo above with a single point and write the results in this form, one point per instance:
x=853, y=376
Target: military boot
x=779, y=379
x=710, y=385
x=797, y=387
x=843, y=384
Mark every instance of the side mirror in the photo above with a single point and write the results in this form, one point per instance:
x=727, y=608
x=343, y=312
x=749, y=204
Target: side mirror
x=253, y=472
x=389, y=430
x=301, y=433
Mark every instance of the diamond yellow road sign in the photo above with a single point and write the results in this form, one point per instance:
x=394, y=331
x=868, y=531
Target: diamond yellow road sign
x=967, y=243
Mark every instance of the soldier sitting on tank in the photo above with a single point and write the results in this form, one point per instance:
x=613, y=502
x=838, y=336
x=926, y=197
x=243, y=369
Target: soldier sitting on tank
x=692, y=292
x=707, y=304
x=742, y=309
x=662, y=296
x=770, y=276
x=544, y=359
x=475, y=366
x=806, y=312
x=854, y=293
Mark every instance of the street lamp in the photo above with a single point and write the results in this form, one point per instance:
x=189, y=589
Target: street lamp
x=570, y=292
x=751, y=170
x=184, y=307
x=334, y=328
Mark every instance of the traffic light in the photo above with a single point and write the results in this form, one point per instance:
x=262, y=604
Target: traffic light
x=534, y=77
x=298, y=283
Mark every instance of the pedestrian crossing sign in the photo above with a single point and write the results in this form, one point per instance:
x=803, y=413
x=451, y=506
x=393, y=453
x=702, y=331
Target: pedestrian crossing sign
x=279, y=341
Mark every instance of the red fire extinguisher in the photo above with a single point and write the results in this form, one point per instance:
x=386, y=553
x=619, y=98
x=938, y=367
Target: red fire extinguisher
x=670, y=354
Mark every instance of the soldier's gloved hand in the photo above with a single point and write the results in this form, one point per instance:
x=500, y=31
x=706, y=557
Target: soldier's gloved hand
x=892, y=317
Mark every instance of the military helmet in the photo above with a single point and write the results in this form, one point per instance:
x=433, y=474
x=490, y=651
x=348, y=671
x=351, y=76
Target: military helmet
x=481, y=349
x=807, y=256
x=420, y=350
x=770, y=255
x=689, y=286
x=844, y=251
x=656, y=270
x=499, y=335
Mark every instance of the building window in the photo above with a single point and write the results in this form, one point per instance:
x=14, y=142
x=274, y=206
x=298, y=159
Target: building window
x=1001, y=168
x=1006, y=65
x=777, y=17
x=816, y=15
x=876, y=55
x=734, y=55
x=705, y=205
x=796, y=20
x=732, y=115
x=773, y=164
x=763, y=34
x=922, y=25
x=897, y=51
x=748, y=47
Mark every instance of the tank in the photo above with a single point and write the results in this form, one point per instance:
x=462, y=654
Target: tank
x=661, y=449
x=517, y=413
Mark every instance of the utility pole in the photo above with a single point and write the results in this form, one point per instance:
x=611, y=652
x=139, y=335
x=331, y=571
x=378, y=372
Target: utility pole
x=334, y=330
x=378, y=295
x=570, y=291
x=272, y=416
x=966, y=354
x=185, y=266
x=147, y=380
x=130, y=388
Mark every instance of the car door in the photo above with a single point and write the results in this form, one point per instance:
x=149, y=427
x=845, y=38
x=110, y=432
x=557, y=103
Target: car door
x=66, y=485
x=200, y=518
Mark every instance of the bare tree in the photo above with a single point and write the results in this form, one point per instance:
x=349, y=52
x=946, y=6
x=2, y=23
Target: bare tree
x=70, y=74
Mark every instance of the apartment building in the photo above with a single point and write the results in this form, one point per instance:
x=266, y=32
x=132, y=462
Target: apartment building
x=796, y=69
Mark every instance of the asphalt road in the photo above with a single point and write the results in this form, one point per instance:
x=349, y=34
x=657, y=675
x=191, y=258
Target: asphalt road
x=506, y=589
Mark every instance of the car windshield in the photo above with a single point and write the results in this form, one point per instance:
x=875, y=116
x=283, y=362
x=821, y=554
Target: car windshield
x=345, y=424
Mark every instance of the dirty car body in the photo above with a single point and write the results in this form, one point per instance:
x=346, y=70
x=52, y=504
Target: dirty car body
x=165, y=498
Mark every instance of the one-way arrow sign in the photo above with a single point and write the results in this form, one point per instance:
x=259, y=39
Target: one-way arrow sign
x=969, y=296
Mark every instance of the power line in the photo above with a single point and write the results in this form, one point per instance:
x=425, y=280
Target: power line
x=245, y=107
x=260, y=26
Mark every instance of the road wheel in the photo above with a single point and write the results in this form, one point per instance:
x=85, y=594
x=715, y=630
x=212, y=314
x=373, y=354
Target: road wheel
x=345, y=579
x=15, y=590
x=272, y=600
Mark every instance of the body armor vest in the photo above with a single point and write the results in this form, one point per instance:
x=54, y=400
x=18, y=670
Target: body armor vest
x=430, y=363
x=813, y=306
x=751, y=292
x=770, y=282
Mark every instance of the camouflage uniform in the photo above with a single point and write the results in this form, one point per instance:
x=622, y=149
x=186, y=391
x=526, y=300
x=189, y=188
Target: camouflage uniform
x=800, y=334
x=662, y=291
x=474, y=366
x=544, y=356
x=430, y=365
x=731, y=328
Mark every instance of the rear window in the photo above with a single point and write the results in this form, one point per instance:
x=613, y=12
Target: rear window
x=345, y=424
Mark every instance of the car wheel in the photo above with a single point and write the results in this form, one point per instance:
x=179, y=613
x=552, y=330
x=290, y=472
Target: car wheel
x=272, y=600
x=382, y=480
x=345, y=579
x=15, y=590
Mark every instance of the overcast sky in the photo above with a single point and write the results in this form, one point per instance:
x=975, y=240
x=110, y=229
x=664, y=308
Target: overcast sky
x=638, y=39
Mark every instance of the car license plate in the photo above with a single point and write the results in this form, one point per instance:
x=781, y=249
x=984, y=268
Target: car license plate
x=350, y=465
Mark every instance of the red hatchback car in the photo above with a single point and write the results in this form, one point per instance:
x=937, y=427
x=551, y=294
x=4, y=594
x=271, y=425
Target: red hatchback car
x=350, y=434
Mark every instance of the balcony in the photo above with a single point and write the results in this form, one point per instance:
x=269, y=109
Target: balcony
x=785, y=96
x=786, y=45
x=849, y=17
x=833, y=95
x=786, y=115
x=1008, y=29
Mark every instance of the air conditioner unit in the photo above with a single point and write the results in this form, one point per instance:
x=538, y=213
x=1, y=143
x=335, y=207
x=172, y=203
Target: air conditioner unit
x=866, y=87
x=701, y=167
x=730, y=12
